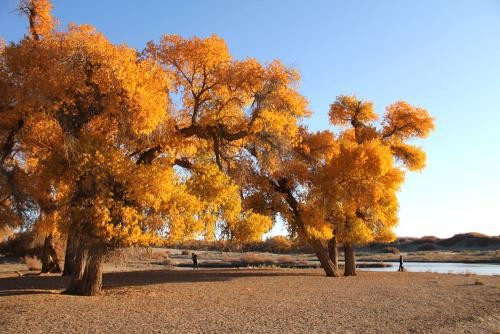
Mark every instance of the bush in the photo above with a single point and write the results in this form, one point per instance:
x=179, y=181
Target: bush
x=185, y=252
x=392, y=250
x=130, y=254
x=255, y=259
x=33, y=263
x=278, y=244
x=159, y=254
x=19, y=245
x=286, y=259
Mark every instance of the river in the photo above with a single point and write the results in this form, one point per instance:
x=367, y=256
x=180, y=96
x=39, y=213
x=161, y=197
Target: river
x=445, y=267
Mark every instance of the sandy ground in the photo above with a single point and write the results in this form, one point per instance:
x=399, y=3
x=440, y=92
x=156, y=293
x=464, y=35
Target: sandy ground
x=254, y=301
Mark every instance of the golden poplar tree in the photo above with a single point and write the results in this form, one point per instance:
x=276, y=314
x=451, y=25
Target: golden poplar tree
x=356, y=189
x=74, y=110
x=285, y=190
x=17, y=207
x=228, y=110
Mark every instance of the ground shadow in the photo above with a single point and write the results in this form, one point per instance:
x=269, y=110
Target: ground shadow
x=11, y=286
x=29, y=285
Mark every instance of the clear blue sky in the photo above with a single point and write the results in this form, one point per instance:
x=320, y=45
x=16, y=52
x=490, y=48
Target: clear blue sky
x=442, y=55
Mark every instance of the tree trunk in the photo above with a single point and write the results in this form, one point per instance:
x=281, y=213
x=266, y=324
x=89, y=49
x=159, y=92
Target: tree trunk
x=87, y=277
x=317, y=245
x=91, y=282
x=70, y=255
x=333, y=252
x=78, y=271
x=325, y=261
x=50, y=260
x=350, y=260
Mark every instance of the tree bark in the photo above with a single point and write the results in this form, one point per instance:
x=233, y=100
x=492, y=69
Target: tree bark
x=87, y=277
x=324, y=259
x=78, y=271
x=350, y=260
x=91, y=282
x=70, y=255
x=333, y=252
x=50, y=260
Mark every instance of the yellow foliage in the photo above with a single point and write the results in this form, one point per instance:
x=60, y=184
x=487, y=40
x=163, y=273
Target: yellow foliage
x=404, y=121
x=250, y=227
x=83, y=114
x=40, y=17
x=51, y=223
x=354, y=192
x=413, y=157
x=229, y=103
x=316, y=226
x=348, y=110
x=80, y=117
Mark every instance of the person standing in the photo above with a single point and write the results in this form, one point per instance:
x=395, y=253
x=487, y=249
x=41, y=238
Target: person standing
x=194, y=257
x=401, y=268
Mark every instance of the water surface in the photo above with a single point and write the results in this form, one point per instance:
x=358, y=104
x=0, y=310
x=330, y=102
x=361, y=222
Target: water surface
x=444, y=267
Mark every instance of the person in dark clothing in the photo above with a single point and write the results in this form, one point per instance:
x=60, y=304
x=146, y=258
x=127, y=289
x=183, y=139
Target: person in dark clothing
x=401, y=268
x=194, y=257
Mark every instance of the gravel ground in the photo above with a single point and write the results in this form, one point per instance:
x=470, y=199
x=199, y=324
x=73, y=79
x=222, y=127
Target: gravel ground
x=255, y=301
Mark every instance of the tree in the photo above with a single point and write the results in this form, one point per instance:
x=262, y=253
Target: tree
x=228, y=110
x=356, y=189
x=75, y=108
x=285, y=191
x=17, y=207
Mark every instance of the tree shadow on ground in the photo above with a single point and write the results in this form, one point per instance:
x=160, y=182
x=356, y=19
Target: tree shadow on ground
x=50, y=284
x=31, y=285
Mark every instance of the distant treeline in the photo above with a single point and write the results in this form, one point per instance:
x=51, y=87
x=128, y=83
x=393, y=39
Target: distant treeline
x=285, y=245
x=278, y=244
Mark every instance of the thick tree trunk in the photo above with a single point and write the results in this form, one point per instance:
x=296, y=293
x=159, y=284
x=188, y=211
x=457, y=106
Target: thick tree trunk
x=50, y=260
x=91, y=282
x=87, y=277
x=350, y=260
x=333, y=252
x=70, y=255
x=78, y=271
x=325, y=261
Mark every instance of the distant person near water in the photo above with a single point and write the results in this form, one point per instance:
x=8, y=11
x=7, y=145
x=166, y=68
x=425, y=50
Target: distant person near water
x=194, y=257
x=401, y=268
